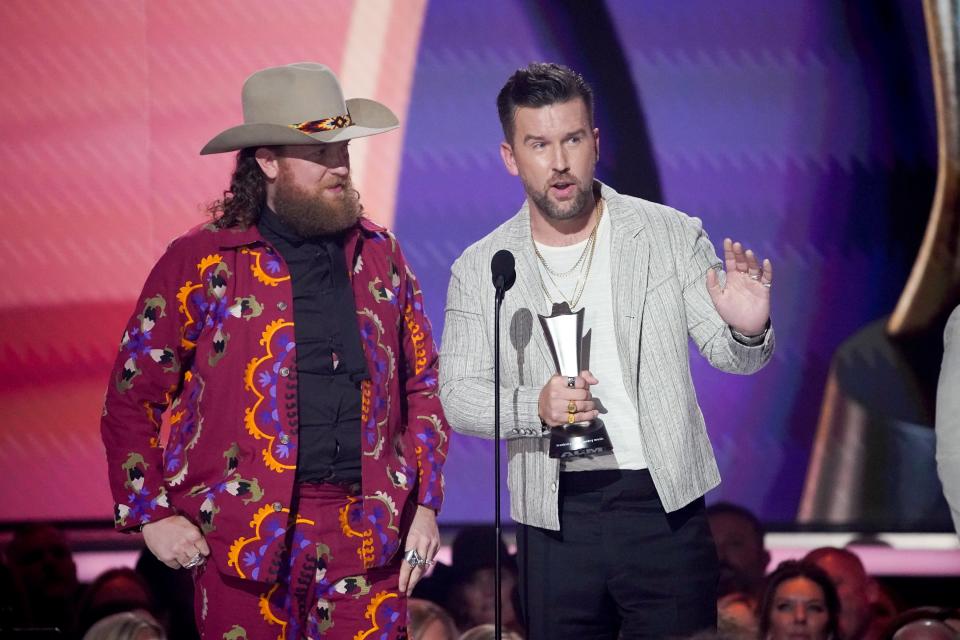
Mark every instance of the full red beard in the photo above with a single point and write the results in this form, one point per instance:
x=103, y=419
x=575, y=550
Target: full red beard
x=309, y=213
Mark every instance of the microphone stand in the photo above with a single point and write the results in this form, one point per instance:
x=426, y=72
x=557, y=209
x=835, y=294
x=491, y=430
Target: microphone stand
x=497, y=605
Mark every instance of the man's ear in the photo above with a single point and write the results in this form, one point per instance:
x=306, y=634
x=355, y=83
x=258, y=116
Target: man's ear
x=509, y=161
x=269, y=162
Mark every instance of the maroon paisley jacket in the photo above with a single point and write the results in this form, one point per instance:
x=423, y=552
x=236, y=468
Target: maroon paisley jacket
x=213, y=339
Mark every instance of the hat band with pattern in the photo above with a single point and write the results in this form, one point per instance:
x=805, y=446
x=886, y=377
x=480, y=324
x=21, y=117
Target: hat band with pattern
x=325, y=124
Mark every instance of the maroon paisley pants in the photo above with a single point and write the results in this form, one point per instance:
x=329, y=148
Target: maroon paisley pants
x=325, y=594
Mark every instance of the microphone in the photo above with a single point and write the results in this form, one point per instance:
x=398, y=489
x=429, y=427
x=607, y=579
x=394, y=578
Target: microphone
x=503, y=269
x=504, y=272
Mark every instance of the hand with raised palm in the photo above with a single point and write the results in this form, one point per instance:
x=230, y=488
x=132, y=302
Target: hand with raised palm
x=744, y=300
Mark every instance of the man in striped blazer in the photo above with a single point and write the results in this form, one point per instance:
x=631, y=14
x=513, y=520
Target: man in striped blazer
x=613, y=545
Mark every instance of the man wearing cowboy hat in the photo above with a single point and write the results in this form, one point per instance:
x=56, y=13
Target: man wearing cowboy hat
x=302, y=474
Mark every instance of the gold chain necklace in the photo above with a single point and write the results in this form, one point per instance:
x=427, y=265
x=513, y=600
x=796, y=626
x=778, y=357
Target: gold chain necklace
x=583, y=254
x=581, y=285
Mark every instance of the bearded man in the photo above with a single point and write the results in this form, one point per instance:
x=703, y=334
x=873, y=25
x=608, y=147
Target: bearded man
x=614, y=545
x=302, y=475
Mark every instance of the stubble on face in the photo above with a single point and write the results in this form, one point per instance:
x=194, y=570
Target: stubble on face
x=560, y=210
x=309, y=213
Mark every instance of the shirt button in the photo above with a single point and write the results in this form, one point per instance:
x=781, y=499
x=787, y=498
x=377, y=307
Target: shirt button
x=282, y=305
x=284, y=371
x=277, y=507
x=553, y=487
x=284, y=439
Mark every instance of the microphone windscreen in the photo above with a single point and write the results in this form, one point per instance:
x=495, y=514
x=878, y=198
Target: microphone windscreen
x=503, y=269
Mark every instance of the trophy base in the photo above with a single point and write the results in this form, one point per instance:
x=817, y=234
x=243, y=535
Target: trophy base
x=579, y=439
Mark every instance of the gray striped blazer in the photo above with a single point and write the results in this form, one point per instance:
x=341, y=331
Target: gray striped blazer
x=659, y=263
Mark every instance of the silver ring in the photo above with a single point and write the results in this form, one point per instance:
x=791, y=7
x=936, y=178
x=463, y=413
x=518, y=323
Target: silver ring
x=196, y=560
x=413, y=558
x=571, y=382
x=754, y=276
x=767, y=284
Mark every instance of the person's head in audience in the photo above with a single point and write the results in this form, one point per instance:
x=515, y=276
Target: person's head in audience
x=429, y=621
x=114, y=591
x=488, y=632
x=743, y=558
x=924, y=623
x=472, y=582
x=737, y=616
x=42, y=568
x=126, y=625
x=471, y=598
x=799, y=602
x=855, y=588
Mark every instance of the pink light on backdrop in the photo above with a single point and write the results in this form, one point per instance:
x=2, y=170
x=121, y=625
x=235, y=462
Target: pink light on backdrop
x=103, y=109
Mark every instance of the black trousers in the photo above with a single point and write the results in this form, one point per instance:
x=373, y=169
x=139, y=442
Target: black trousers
x=620, y=567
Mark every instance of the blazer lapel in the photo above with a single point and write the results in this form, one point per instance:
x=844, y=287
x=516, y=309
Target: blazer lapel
x=629, y=284
x=526, y=292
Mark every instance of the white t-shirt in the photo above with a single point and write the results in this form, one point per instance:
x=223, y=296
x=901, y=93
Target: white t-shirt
x=616, y=410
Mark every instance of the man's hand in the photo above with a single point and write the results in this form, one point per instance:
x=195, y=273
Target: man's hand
x=176, y=542
x=558, y=398
x=424, y=537
x=744, y=303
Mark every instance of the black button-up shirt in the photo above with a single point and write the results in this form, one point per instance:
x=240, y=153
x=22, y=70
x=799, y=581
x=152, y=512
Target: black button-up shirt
x=330, y=360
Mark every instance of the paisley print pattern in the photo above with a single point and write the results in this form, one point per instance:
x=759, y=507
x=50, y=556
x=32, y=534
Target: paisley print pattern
x=211, y=339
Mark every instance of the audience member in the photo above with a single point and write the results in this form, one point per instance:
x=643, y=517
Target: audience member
x=429, y=621
x=737, y=616
x=924, y=623
x=488, y=632
x=13, y=605
x=471, y=581
x=45, y=576
x=799, y=601
x=856, y=590
x=743, y=557
x=472, y=595
x=172, y=591
x=114, y=591
x=126, y=625
x=465, y=588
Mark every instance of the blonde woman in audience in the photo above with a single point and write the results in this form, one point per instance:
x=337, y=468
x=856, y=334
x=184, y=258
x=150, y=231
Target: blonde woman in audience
x=129, y=625
x=488, y=632
x=429, y=621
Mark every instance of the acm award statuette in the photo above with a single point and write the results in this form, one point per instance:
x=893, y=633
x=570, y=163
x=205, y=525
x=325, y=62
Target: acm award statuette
x=564, y=332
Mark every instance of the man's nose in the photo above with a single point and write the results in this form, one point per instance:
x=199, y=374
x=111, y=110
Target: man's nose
x=561, y=162
x=342, y=160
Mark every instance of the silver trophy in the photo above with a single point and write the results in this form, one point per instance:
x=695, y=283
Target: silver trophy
x=564, y=332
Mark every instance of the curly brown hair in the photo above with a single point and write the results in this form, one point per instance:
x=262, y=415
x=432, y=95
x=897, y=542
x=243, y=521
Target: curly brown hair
x=241, y=203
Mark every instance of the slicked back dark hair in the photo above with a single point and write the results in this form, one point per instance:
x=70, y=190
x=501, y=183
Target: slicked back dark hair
x=540, y=84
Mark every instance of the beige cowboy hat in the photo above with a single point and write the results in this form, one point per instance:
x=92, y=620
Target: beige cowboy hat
x=300, y=103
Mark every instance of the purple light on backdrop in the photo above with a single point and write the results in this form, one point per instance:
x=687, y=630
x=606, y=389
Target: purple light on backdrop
x=803, y=129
